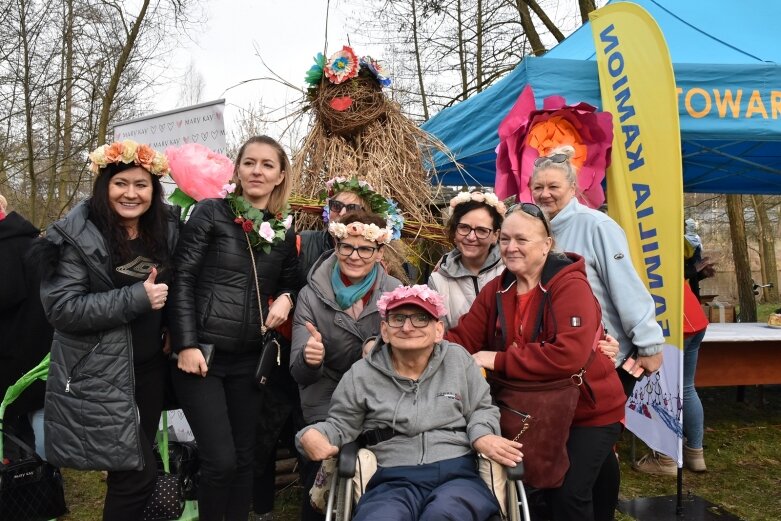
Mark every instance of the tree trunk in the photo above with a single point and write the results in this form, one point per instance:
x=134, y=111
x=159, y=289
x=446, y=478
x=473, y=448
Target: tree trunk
x=418, y=65
x=737, y=226
x=461, y=51
x=113, y=85
x=547, y=22
x=479, y=49
x=66, y=173
x=28, y=113
x=537, y=48
x=586, y=6
x=767, y=249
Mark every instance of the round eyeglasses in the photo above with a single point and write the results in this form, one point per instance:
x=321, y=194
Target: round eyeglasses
x=481, y=232
x=364, y=252
x=417, y=319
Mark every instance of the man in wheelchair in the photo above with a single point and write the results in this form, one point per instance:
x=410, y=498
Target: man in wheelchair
x=423, y=407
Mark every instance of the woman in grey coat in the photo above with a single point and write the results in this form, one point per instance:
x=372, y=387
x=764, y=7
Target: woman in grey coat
x=336, y=312
x=105, y=294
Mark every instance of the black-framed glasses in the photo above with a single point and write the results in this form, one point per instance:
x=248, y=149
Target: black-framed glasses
x=555, y=158
x=364, y=252
x=336, y=206
x=533, y=210
x=481, y=232
x=417, y=319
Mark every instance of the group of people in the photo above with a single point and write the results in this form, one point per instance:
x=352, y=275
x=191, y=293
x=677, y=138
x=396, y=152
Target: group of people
x=372, y=359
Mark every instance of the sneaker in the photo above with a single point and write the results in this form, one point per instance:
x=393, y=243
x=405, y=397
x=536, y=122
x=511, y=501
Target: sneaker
x=656, y=464
x=694, y=459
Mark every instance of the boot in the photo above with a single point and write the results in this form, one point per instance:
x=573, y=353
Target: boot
x=693, y=459
x=657, y=464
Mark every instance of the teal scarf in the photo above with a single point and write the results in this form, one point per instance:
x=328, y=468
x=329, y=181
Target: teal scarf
x=346, y=296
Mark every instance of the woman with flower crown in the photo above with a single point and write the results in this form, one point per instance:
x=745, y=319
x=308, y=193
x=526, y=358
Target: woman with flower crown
x=336, y=313
x=105, y=293
x=217, y=301
x=473, y=228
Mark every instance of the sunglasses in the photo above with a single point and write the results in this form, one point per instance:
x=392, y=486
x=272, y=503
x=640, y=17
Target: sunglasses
x=336, y=206
x=533, y=210
x=555, y=158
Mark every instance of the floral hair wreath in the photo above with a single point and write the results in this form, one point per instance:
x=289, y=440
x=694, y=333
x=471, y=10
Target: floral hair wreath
x=370, y=232
x=480, y=197
x=127, y=152
x=378, y=204
x=418, y=291
x=344, y=65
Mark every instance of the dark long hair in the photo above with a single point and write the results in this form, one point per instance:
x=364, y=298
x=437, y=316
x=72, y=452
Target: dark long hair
x=152, y=225
x=464, y=208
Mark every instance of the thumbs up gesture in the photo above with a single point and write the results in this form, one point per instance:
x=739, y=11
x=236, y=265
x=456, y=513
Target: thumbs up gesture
x=156, y=293
x=314, y=350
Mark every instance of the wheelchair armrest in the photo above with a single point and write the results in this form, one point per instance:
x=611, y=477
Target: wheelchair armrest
x=347, y=457
x=515, y=473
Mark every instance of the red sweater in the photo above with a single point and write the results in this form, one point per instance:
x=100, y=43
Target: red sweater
x=558, y=335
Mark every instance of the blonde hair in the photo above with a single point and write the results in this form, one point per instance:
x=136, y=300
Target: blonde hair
x=277, y=201
x=566, y=166
x=3, y=203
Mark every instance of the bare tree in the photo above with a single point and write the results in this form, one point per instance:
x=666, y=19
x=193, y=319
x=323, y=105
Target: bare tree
x=192, y=87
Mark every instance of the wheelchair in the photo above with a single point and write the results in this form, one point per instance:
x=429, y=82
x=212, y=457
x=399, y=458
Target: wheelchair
x=344, y=492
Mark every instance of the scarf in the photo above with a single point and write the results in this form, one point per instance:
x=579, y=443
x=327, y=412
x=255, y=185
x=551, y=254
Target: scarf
x=346, y=296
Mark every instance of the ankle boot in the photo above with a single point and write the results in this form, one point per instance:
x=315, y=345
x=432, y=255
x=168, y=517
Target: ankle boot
x=693, y=459
x=657, y=464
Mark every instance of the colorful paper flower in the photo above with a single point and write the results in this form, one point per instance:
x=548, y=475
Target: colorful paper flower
x=341, y=66
x=376, y=69
x=527, y=133
x=315, y=73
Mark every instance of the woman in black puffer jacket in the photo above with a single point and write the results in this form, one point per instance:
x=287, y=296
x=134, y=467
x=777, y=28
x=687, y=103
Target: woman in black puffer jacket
x=214, y=301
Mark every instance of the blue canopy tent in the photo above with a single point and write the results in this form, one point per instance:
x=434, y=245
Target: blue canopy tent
x=726, y=58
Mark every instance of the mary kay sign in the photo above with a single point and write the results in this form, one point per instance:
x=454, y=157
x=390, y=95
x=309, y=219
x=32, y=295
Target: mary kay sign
x=201, y=123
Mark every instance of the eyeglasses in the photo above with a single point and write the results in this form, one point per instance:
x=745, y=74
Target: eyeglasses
x=417, y=319
x=336, y=206
x=481, y=232
x=555, y=158
x=364, y=252
x=533, y=210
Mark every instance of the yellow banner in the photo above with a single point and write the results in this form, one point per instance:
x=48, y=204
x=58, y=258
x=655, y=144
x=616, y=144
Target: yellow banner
x=645, y=180
x=645, y=195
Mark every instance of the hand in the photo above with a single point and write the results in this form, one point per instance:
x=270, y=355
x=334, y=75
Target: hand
x=317, y=446
x=156, y=293
x=191, y=361
x=650, y=364
x=485, y=359
x=501, y=450
x=367, y=346
x=314, y=350
x=278, y=312
x=609, y=347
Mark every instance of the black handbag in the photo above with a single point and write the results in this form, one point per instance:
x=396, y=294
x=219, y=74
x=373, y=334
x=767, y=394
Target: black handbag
x=182, y=463
x=30, y=488
x=167, y=501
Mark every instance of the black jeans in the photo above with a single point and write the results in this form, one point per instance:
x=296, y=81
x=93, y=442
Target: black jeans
x=588, y=447
x=129, y=491
x=221, y=409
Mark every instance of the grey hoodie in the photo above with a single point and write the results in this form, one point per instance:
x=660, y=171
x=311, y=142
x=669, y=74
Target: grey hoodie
x=438, y=417
x=459, y=286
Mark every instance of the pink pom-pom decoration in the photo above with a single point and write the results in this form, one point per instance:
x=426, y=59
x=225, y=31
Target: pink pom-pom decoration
x=198, y=171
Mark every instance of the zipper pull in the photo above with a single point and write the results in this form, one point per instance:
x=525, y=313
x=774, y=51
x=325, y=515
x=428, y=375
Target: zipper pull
x=68, y=385
x=279, y=354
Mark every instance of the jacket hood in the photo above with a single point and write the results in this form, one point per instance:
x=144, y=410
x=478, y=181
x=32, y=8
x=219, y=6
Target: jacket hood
x=380, y=359
x=14, y=225
x=452, y=267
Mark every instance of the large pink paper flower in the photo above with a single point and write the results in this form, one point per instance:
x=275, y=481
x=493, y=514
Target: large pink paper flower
x=527, y=133
x=198, y=171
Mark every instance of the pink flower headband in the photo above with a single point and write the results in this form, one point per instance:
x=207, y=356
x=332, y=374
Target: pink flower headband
x=418, y=295
x=479, y=197
x=370, y=232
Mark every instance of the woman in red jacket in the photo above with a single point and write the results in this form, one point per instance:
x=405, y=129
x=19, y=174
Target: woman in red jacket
x=541, y=318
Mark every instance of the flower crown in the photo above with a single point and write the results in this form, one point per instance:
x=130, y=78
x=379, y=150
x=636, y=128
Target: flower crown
x=370, y=232
x=479, y=197
x=378, y=204
x=344, y=65
x=418, y=291
x=129, y=151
